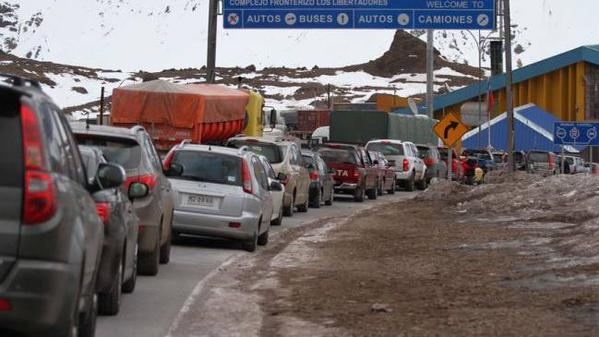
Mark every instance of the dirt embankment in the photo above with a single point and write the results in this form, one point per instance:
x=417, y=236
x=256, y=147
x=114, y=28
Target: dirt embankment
x=507, y=259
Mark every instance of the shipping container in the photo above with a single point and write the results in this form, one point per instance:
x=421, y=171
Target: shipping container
x=358, y=127
x=355, y=107
x=310, y=120
x=416, y=129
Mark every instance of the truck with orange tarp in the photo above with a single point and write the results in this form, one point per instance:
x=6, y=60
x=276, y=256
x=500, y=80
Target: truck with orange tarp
x=170, y=112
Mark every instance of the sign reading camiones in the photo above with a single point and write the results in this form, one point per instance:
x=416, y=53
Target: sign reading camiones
x=360, y=14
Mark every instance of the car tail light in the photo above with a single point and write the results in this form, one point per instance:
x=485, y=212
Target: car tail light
x=406, y=165
x=39, y=203
x=356, y=174
x=5, y=305
x=148, y=179
x=314, y=175
x=234, y=224
x=166, y=163
x=428, y=161
x=141, y=229
x=103, y=210
x=246, y=177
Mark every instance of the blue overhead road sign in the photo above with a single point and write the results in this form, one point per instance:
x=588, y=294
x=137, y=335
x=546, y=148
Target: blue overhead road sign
x=360, y=14
x=568, y=133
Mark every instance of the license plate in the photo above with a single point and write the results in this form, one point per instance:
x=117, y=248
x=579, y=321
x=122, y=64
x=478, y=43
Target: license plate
x=202, y=201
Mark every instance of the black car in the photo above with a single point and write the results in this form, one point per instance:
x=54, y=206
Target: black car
x=118, y=266
x=51, y=237
x=322, y=183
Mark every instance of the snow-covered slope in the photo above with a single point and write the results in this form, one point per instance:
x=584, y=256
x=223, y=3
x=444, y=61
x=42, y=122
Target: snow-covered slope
x=158, y=34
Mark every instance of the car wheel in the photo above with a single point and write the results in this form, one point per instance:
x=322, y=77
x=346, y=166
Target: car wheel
x=359, y=195
x=165, y=250
x=263, y=238
x=87, y=322
x=317, y=200
x=129, y=285
x=331, y=198
x=250, y=245
x=288, y=210
x=411, y=184
x=148, y=263
x=279, y=220
x=372, y=193
x=303, y=208
x=392, y=190
x=109, y=303
x=422, y=184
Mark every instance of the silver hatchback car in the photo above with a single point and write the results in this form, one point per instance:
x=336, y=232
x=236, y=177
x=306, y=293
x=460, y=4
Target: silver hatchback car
x=221, y=192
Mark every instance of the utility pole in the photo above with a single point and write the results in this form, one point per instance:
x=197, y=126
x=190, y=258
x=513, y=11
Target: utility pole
x=212, y=27
x=101, y=117
x=508, y=85
x=430, y=75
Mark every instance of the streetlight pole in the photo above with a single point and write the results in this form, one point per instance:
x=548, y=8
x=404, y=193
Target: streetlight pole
x=508, y=86
x=212, y=29
x=430, y=72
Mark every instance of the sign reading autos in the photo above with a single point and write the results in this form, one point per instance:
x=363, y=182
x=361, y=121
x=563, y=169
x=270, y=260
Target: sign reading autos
x=360, y=14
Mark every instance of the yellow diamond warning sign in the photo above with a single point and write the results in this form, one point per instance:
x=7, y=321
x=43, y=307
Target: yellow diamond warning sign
x=450, y=129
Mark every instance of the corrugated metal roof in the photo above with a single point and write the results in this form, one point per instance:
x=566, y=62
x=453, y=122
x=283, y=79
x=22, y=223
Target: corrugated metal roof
x=533, y=129
x=588, y=54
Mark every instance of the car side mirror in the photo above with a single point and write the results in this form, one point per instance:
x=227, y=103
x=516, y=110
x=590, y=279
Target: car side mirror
x=281, y=177
x=138, y=191
x=110, y=176
x=175, y=170
x=275, y=186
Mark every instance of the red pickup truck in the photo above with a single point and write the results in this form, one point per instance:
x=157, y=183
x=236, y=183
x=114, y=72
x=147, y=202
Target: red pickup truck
x=355, y=172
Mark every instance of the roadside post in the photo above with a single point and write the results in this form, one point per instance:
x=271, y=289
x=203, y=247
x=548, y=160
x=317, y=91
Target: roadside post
x=450, y=130
x=575, y=133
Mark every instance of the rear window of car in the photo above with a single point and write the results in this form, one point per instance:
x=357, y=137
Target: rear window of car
x=271, y=151
x=122, y=151
x=345, y=156
x=11, y=150
x=208, y=167
x=423, y=152
x=388, y=149
x=538, y=157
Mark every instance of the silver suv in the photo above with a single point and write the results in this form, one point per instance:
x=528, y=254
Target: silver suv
x=51, y=237
x=221, y=192
x=133, y=149
x=286, y=159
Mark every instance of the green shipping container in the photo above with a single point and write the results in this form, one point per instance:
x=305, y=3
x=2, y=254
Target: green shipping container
x=416, y=129
x=358, y=127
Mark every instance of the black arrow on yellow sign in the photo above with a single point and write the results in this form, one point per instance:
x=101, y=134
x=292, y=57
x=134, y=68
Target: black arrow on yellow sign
x=451, y=126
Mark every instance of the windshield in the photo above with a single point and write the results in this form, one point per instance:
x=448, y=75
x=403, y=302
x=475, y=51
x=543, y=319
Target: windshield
x=209, y=167
x=345, y=156
x=122, y=151
x=423, y=152
x=387, y=149
x=271, y=151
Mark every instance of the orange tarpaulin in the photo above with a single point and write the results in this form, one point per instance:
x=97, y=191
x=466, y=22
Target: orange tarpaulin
x=177, y=105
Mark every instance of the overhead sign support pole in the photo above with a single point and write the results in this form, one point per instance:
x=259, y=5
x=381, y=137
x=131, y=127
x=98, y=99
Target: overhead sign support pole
x=212, y=29
x=508, y=86
x=430, y=72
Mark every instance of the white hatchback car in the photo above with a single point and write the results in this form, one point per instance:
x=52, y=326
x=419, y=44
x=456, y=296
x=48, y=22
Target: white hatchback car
x=277, y=196
x=221, y=192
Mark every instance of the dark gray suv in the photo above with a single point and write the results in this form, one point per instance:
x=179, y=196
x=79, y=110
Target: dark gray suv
x=50, y=235
x=133, y=150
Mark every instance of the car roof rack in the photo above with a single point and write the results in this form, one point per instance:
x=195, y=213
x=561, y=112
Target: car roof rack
x=19, y=81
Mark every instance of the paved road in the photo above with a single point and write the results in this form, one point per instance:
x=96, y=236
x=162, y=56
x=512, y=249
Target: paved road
x=149, y=311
